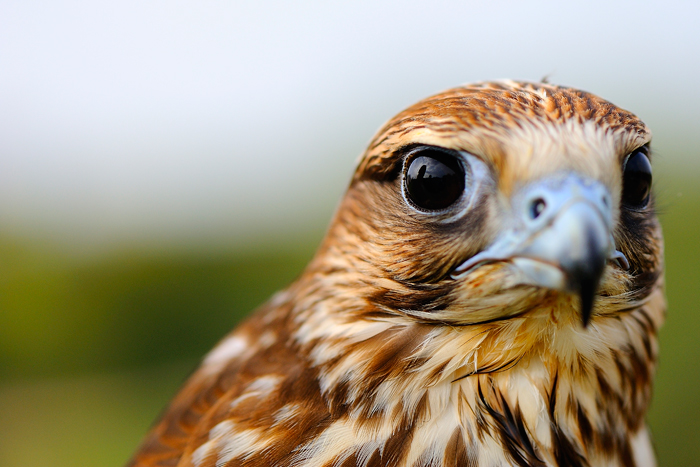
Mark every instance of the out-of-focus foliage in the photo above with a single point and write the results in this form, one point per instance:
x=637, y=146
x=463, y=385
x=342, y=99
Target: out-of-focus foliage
x=62, y=315
x=91, y=348
x=675, y=411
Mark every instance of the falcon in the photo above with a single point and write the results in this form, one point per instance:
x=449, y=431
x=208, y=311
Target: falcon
x=488, y=294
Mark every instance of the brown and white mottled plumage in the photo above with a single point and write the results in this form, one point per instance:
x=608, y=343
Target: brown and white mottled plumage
x=454, y=336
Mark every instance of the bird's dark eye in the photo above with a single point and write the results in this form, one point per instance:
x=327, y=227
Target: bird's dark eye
x=434, y=179
x=636, y=180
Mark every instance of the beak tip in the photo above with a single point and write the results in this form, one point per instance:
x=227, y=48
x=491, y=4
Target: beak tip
x=586, y=293
x=585, y=315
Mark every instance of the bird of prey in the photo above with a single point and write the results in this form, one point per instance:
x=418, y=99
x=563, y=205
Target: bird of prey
x=488, y=294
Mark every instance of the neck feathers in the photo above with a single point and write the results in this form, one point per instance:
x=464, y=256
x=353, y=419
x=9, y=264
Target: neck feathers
x=526, y=391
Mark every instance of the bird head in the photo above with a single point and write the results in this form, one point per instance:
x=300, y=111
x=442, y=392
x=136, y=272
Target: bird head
x=501, y=200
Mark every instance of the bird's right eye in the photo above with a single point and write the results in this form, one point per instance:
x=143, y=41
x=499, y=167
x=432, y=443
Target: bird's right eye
x=434, y=179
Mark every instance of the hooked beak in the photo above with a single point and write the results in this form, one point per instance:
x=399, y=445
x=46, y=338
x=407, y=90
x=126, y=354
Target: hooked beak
x=559, y=236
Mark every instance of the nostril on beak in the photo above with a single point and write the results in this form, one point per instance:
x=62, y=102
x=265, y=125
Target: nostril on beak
x=536, y=207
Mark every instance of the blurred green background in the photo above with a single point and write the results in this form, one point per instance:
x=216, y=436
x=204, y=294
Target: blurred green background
x=167, y=165
x=91, y=349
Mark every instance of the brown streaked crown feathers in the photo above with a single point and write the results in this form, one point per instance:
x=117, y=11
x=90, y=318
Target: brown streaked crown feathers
x=515, y=324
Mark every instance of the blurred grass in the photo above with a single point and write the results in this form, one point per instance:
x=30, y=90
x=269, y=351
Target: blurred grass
x=62, y=314
x=92, y=347
x=92, y=419
x=675, y=411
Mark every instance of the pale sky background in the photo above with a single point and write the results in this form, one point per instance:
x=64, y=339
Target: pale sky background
x=174, y=119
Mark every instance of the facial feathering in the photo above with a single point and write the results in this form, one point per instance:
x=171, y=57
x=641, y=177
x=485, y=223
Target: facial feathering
x=488, y=294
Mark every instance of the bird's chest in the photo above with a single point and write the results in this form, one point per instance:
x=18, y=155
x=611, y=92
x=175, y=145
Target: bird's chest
x=531, y=415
